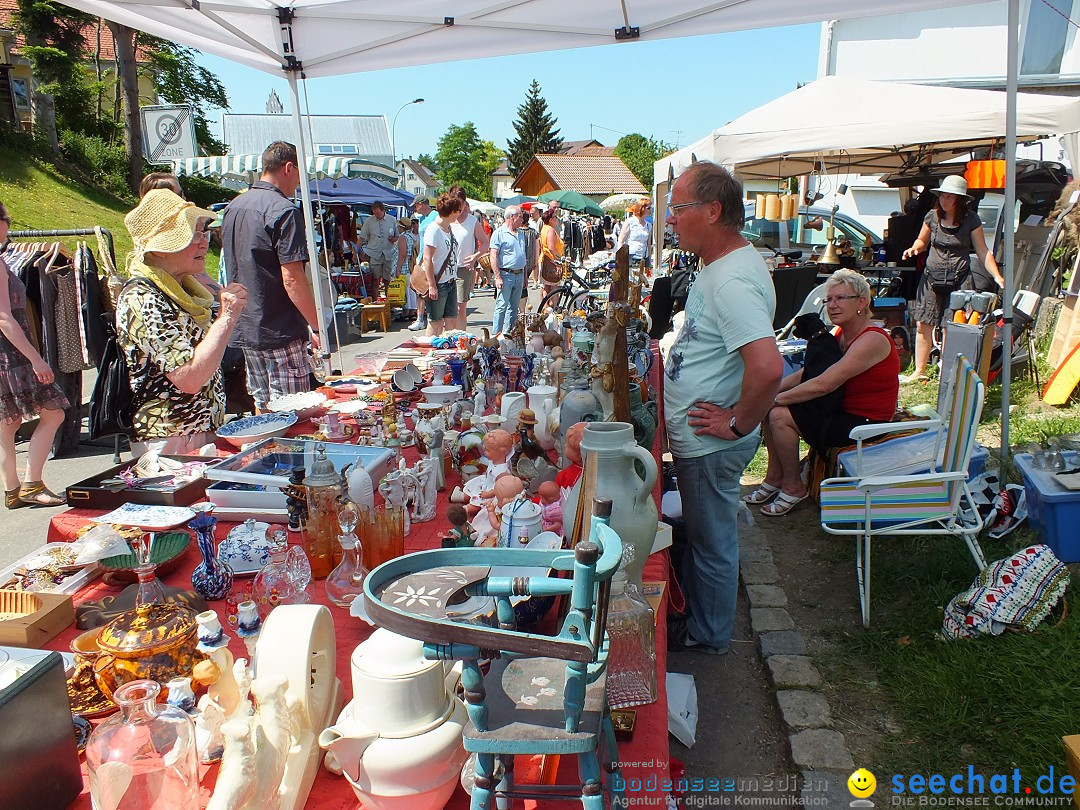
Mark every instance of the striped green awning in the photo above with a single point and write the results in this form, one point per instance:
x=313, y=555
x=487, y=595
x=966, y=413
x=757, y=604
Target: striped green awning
x=247, y=167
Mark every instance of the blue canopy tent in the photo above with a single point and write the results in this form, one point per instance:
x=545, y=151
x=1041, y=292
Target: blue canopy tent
x=358, y=191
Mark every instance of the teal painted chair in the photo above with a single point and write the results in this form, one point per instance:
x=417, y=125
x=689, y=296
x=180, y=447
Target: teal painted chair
x=540, y=695
x=932, y=501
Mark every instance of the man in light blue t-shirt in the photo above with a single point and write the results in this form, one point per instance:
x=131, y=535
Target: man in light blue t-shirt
x=508, y=270
x=722, y=374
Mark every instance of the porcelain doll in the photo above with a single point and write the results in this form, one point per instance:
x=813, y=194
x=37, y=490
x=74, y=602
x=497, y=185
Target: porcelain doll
x=551, y=517
x=507, y=488
x=461, y=535
x=570, y=474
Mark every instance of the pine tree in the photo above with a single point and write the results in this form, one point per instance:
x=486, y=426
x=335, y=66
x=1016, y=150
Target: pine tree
x=536, y=133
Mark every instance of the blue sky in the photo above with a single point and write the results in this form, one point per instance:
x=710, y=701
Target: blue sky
x=673, y=90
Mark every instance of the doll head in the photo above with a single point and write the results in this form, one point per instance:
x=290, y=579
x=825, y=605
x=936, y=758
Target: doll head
x=574, y=435
x=457, y=515
x=497, y=445
x=549, y=492
x=508, y=487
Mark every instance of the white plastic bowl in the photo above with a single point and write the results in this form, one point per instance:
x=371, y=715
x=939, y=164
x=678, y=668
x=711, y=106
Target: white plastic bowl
x=304, y=404
x=256, y=428
x=441, y=394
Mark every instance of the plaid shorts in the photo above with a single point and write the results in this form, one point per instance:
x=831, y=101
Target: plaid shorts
x=275, y=372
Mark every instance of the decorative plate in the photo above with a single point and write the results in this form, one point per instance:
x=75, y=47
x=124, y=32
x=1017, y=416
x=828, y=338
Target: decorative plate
x=246, y=552
x=166, y=552
x=300, y=403
x=82, y=732
x=349, y=407
x=147, y=516
x=256, y=428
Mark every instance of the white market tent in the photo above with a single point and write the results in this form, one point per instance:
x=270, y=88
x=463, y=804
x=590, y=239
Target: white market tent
x=846, y=124
x=313, y=38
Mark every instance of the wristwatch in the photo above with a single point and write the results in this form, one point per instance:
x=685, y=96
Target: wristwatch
x=735, y=430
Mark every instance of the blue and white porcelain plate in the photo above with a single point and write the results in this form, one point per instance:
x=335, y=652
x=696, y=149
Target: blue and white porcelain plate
x=257, y=425
x=245, y=551
x=147, y=516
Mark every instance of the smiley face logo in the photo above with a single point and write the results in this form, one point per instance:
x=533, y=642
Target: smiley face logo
x=861, y=783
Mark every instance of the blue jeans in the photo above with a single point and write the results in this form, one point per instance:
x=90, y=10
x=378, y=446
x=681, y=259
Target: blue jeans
x=508, y=302
x=709, y=487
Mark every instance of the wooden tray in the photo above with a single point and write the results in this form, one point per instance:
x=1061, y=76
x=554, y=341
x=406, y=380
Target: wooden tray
x=44, y=616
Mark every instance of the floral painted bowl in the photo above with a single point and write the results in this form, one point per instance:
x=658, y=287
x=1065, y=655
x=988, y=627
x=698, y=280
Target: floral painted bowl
x=256, y=428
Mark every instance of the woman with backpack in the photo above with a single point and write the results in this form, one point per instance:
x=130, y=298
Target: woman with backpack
x=28, y=389
x=951, y=232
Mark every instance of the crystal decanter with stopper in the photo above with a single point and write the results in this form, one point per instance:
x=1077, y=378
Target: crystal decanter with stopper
x=144, y=757
x=631, y=628
x=150, y=590
x=281, y=580
x=346, y=582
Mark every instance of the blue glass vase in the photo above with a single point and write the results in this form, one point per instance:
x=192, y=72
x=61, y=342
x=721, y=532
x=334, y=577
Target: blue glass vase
x=212, y=578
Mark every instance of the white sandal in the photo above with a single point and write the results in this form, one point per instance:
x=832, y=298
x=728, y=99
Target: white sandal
x=763, y=494
x=783, y=504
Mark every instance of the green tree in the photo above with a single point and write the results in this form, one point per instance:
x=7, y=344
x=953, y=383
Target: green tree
x=535, y=128
x=179, y=80
x=465, y=160
x=427, y=160
x=640, y=153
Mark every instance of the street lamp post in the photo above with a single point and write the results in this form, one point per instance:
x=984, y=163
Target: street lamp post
x=393, y=134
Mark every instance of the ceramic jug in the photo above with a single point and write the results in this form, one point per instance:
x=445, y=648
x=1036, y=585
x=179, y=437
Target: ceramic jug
x=398, y=742
x=542, y=402
x=633, y=510
x=512, y=403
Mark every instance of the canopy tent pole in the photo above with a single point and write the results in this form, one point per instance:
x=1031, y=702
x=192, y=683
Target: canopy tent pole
x=309, y=220
x=1013, y=61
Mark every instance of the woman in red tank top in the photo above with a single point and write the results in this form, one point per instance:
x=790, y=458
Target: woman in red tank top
x=869, y=373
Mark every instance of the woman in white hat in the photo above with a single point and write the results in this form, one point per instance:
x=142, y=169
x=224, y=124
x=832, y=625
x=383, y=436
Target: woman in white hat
x=951, y=232
x=164, y=326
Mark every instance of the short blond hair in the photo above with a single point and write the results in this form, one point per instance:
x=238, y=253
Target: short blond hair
x=857, y=282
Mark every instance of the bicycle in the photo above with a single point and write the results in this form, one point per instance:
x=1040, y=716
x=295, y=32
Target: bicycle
x=575, y=293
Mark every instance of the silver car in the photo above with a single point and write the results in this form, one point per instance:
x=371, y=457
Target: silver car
x=806, y=232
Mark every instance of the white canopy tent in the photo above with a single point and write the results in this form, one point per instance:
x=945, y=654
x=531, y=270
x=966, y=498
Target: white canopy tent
x=848, y=125
x=312, y=38
x=247, y=167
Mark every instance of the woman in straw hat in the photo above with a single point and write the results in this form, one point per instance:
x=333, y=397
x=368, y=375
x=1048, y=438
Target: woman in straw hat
x=28, y=389
x=951, y=232
x=164, y=326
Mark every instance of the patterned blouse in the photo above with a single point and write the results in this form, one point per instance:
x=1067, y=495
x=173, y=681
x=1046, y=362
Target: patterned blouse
x=157, y=337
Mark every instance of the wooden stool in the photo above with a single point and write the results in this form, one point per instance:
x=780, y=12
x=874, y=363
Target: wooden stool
x=375, y=310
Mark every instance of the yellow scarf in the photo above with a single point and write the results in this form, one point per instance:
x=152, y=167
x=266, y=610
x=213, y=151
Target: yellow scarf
x=189, y=295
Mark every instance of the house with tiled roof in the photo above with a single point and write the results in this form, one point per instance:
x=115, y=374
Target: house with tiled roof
x=16, y=72
x=595, y=175
x=416, y=178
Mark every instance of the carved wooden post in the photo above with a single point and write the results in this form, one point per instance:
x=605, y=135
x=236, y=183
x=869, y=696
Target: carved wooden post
x=617, y=309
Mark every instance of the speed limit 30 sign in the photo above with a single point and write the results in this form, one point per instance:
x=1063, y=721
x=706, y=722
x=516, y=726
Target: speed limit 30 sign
x=168, y=133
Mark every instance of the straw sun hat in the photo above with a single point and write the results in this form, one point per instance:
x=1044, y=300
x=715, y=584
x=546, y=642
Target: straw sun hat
x=953, y=184
x=163, y=222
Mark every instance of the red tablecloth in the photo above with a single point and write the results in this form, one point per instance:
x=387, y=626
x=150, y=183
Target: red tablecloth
x=644, y=756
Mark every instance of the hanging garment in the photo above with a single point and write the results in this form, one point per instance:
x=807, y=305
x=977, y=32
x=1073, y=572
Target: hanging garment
x=70, y=350
x=95, y=333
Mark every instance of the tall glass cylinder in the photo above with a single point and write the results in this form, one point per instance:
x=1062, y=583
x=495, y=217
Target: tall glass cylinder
x=144, y=757
x=631, y=627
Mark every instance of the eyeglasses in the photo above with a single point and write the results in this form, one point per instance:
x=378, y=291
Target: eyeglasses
x=676, y=207
x=832, y=298
x=203, y=233
x=6, y=219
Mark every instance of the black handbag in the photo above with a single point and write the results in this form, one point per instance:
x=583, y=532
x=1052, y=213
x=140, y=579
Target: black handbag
x=112, y=405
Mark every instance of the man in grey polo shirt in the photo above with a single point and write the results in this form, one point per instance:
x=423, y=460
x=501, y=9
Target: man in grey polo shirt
x=508, y=267
x=262, y=235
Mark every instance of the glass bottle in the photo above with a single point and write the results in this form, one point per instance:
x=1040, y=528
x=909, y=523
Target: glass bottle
x=274, y=584
x=323, y=485
x=631, y=628
x=346, y=582
x=144, y=757
x=150, y=590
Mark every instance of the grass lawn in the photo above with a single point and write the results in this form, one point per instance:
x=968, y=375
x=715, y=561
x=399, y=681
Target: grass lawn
x=995, y=703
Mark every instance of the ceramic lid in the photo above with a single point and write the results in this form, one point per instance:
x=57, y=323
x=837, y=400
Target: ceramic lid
x=388, y=655
x=147, y=629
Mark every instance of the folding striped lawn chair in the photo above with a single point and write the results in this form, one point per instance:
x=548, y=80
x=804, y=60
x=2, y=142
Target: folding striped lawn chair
x=920, y=503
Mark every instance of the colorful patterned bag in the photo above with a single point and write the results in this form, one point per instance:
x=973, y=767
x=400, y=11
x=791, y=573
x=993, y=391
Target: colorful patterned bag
x=1016, y=593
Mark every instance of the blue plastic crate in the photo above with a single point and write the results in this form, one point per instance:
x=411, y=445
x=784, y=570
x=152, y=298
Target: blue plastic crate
x=1053, y=510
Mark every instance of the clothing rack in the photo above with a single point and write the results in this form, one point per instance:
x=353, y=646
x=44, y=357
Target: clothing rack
x=49, y=234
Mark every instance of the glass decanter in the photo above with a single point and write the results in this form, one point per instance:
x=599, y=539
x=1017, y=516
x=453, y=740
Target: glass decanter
x=144, y=757
x=631, y=628
x=150, y=590
x=282, y=580
x=346, y=581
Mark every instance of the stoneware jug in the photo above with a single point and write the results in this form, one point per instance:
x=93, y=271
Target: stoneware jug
x=398, y=742
x=512, y=403
x=633, y=510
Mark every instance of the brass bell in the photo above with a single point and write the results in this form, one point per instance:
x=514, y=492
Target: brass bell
x=830, y=256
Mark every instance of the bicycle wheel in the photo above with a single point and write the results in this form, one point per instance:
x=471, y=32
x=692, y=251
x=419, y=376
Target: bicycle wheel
x=560, y=300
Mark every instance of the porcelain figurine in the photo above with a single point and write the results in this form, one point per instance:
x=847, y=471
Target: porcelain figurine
x=248, y=624
x=224, y=690
x=479, y=401
x=236, y=778
x=551, y=518
x=568, y=476
x=507, y=488
x=359, y=486
x=209, y=739
x=211, y=634
x=461, y=536
x=424, y=490
x=603, y=356
x=392, y=488
x=180, y=694
x=272, y=729
x=542, y=404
